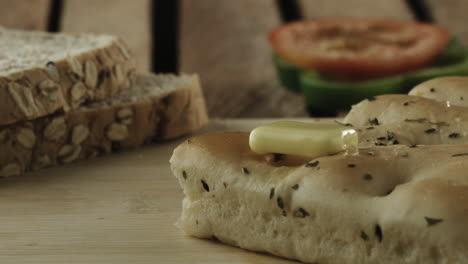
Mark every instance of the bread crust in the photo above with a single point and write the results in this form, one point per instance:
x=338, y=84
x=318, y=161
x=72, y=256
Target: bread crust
x=413, y=207
x=64, y=84
x=94, y=131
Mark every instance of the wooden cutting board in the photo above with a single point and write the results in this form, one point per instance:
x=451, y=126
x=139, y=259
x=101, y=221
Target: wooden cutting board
x=115, y=209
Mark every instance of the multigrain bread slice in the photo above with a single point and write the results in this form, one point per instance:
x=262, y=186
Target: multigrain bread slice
x=405, y=119
x=41, y=73
x=394, y=204
x=158, y=107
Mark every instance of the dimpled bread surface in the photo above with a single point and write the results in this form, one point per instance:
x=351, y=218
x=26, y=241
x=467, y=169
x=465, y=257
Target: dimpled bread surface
x=387, y=204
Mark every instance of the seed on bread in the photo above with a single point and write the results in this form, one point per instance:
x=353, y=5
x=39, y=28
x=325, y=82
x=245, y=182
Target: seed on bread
x=10, y=170
x=75, y=66
x=205, y=186
x=367, y=177
x=378, y=232
x=117, y=132
x=69, y=153
x=430, y=221
x=78, y=91
x=312, y=164
x=122, y=50
x=279, y=202
x=91, y=74
x=56, y=129
x=125, y=115
x=103, y=75
x=272, y=193
x=301, y=213
x=42, y=161
x=343, y=124
x=26, y=137
x=49, y=89
x=65, y=150
x=374, y=121
x=408, y=102
x=16, y=76
x=52, y=71
x=79, y=134
x=23, y=97
x=460, y=154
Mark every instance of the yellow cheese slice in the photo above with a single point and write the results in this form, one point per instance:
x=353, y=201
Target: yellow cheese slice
x=304, y=139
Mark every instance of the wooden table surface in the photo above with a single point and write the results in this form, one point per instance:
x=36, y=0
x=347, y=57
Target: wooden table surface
x=224, y=41
x=115, y=209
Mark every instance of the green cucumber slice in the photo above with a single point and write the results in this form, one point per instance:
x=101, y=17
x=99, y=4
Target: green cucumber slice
x=325, y=95
x=330, y=96
x=454, y=53
x=288, y=74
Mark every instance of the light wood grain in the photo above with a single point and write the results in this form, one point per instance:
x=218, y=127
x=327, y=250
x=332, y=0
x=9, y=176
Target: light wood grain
x=357, y=8
x=115, y=209
x=128, y=19
x=226, y=43
x=25, y=14
x=452, y=14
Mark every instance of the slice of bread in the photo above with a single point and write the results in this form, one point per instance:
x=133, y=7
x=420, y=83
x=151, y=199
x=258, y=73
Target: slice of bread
x=394, y=204
x=158, y=107
x=41, y=73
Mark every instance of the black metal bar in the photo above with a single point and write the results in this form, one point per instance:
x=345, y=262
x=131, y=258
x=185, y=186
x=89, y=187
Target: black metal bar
x=55, y=15
x=165, y=32
x=421, y=10
x=289, y=10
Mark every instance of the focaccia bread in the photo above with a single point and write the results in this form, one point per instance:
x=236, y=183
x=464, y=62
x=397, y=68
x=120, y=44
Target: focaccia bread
x=42, y=73
x=392, y=204
x=158, y=107
x=405, y=119
x=453, y=89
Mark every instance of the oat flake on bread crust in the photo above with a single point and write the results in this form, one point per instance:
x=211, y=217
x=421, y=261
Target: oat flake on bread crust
x=158, y=107
x=42, y=73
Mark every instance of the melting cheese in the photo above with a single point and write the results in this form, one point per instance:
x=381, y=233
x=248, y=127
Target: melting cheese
x=304, y=139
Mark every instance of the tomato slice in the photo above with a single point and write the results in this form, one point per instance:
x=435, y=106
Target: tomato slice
x=359, y=47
